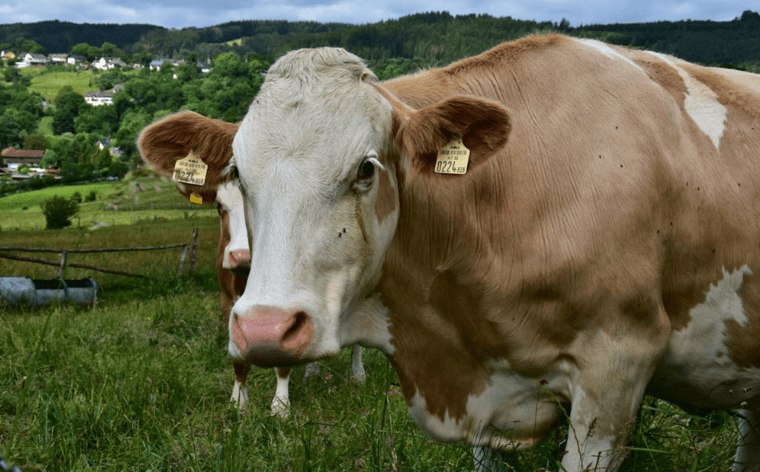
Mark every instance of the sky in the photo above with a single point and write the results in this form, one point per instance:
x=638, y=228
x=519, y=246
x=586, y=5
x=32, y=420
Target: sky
x=201, y=13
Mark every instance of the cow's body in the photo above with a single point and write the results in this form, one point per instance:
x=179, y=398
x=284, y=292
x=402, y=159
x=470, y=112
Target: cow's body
x=603, y=242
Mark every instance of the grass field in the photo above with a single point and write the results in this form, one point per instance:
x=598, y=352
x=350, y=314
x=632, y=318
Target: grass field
x=147, y=200
x=48, y=84
x=141, y=382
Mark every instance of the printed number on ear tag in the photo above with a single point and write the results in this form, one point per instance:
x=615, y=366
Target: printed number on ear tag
x=453, y=158
x=190, y=170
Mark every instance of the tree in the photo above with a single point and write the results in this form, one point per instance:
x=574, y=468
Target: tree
x=68, y=105
x=58, y=210
x=35, y=141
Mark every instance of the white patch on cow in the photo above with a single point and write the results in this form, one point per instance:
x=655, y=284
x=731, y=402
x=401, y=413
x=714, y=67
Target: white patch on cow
x=697, y=367
x=239, y=395
x=281, y=400
x=368, y=324
x=608, y=51
x=521, y=408
x=228, y=195
x=706, y=331
x=702, y=104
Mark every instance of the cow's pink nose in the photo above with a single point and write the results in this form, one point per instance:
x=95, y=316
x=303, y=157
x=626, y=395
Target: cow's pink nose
x=269, y=337
x=239, y=259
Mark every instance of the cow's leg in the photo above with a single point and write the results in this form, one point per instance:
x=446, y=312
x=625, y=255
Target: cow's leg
x=606, y=395
x=357, y=367
x=281, y=400
x=748, y=450
x=240, y=389
x=485, y=460
x=312, y=368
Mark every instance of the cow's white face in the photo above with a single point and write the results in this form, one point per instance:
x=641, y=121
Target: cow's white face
x=232, y=210
x=321, y=205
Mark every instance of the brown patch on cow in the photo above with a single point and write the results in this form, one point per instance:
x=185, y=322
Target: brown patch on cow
x=664, y=74
x=743, y=342
x=437, y=363
x=162, y=143
x=507, y=53
x=386, y=197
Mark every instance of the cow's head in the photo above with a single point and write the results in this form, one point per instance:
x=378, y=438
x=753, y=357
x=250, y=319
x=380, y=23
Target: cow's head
x=182, y=134
x=234, y=252
x=323, y=156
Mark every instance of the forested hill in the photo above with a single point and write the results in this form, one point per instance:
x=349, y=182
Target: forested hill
x=428, y=38
x=59, y=36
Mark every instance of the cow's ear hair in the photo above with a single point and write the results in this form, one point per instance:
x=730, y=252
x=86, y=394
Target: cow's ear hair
x=483, y=125
x=162, y=143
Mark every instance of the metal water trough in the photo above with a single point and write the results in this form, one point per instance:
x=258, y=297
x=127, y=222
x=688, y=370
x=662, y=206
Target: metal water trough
x=39, y=292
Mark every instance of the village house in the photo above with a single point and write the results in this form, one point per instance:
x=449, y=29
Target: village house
x=106, y=63
x=102, y=97
x=7, y=55
x=57, y=58
x=75, y=59
x=29, y=59
x=13, y=158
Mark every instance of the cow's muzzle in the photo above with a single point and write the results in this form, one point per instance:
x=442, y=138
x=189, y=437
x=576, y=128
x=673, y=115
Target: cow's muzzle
x=269, y=337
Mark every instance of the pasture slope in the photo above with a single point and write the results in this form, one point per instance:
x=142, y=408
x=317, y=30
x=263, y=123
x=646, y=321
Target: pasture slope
x=141, y=382
x=136, y=198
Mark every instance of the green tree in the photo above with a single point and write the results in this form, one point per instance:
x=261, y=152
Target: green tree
x=35, y=141
x=68, y=105
x=58, y=211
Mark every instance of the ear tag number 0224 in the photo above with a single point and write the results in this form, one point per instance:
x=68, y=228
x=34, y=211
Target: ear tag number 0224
x=453, y=157
x=190, y=170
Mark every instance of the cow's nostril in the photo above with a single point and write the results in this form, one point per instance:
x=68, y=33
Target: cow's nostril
x=299, y=320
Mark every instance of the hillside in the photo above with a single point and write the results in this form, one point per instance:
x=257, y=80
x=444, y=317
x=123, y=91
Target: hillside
x=432, y=38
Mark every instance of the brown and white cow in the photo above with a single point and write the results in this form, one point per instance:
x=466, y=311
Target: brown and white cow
x=604, y=241
x=233, y=255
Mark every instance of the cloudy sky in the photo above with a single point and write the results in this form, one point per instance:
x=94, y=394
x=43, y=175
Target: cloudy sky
x=200, y=13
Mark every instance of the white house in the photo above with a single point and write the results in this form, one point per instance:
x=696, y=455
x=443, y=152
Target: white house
x=57, y=58
x=105, y=63
x=29, y=59
x=74, y=59
x=97, y=97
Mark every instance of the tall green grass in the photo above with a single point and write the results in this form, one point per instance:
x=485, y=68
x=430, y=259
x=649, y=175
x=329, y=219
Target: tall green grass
x=142, y=382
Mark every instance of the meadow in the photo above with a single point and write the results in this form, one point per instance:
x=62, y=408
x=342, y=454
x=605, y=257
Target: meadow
x=141, y=381
x=137, y=198
x=48, y=83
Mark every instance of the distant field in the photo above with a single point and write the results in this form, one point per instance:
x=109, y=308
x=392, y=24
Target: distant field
x=50, y=83
x=147, y=200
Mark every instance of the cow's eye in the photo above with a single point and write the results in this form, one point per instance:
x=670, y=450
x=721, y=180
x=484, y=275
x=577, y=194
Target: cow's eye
x=366, y=170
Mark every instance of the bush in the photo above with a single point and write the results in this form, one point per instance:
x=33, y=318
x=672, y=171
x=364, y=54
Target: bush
x=58, y=210
x=76, y=197
x=92, y=196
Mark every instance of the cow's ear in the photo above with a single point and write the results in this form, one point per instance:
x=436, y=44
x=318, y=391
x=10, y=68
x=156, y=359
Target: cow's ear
x=199, y=195
x=483, y=125
x=174, y=137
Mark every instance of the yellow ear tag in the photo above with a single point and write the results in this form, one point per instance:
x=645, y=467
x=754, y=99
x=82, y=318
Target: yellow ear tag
x=196, y=199
x=453, y=157
x=190, y=170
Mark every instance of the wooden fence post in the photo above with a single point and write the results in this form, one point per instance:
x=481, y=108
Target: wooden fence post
x=62, y=265
x=194, y=251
